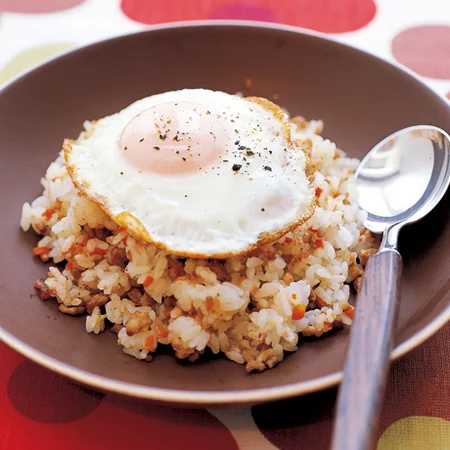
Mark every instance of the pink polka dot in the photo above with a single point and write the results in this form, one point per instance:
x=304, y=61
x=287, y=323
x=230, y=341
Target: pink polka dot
x=329, y=16
x=244, y=12
x=37, y=6
x=424, y=49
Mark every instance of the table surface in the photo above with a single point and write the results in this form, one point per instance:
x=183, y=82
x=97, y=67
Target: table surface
x=41, y=410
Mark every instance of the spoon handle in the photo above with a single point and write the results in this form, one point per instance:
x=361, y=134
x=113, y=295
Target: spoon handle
x=367, y=362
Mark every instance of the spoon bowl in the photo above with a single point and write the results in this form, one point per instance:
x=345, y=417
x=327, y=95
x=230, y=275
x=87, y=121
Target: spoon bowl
x=404, y=176
x=400, y=181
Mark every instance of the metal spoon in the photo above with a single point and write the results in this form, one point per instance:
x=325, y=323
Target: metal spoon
x=400, y=181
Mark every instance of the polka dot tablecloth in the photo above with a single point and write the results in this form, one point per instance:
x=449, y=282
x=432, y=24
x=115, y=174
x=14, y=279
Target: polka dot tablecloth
x=39, y=410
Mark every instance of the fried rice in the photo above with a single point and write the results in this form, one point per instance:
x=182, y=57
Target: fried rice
x=253, y=308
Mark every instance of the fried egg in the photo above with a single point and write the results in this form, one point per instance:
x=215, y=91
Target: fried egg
x=195, y=172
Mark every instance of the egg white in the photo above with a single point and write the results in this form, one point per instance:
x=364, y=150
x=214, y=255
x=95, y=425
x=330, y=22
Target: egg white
x=218, y=211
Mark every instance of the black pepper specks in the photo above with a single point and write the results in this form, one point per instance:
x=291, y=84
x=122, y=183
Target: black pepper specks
x=163, y=136
x=236, y=167
x=156, y=148
x=262, y=209
x=268, y=168
x=141, y=140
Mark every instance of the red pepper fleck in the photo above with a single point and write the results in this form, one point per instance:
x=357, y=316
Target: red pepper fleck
x=298, y=312
x=321, y=303
x=318, y=192
x=98, y=251
x=41, y=251
x=161, y=331
x=48, y=213
x=149, y=341
x=350, y=312
x=319, y=243
x=147, y=282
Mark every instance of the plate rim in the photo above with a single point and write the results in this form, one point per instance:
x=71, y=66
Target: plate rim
x=200, y=398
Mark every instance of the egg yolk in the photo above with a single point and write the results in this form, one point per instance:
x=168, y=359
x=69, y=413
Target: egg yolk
x=174, y=138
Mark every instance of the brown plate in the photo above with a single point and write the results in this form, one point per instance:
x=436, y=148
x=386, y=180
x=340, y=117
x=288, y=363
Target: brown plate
x=361, y=98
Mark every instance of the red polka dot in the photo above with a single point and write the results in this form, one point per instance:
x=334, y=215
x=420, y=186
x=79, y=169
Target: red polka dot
x=43, y=396
x=9, y=358
x=244, y=12
x=37, y=6
x=189, y=423
x=424, y=49
x=157, y=11
x=310, y=425
x=112, y=424
x=330, y=16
